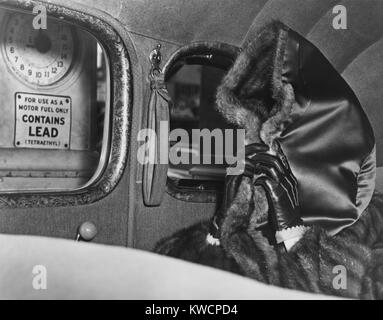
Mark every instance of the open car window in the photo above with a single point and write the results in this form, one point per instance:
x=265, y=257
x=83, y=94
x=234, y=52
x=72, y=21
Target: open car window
x=192, y=85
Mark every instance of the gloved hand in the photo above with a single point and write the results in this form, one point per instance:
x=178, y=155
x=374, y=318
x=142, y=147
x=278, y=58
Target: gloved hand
x=232, y=183
x=281, y=188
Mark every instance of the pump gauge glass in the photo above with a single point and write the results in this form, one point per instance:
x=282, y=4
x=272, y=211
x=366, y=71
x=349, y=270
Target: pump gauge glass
x=38, y=57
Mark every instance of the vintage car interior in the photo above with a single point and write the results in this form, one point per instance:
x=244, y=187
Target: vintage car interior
x=71, y=171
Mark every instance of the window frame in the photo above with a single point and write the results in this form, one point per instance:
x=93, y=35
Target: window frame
x=198, y=194
x=113, y=39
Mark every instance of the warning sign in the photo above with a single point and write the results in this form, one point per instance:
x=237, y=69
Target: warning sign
x=42, y=121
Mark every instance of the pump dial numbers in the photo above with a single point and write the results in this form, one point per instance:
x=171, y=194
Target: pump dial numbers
x=38, y=57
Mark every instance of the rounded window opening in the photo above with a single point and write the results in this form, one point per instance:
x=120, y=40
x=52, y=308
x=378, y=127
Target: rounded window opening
x=192, y=84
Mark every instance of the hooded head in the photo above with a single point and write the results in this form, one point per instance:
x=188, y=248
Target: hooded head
x=281, y=87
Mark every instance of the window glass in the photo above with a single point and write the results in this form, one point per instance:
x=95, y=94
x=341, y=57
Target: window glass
x=193, y=91
x=54, y=89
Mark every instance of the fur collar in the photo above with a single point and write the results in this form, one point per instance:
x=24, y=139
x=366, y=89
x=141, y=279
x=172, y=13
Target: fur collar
x=252, y=94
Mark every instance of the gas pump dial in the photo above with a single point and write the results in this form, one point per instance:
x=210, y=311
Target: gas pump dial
x=38, y=57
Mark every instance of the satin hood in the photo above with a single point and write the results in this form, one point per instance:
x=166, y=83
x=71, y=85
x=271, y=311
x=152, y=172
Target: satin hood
x=281, y=87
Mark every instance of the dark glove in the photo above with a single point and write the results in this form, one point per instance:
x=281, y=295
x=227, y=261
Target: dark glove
x=232, y=183
x=281, y=188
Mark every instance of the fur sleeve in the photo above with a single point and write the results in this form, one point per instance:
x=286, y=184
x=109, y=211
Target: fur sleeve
x=311, y=264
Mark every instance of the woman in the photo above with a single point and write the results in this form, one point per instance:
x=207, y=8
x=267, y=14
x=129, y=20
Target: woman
x=305, y=205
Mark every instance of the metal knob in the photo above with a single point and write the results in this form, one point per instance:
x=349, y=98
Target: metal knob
x=86, y=231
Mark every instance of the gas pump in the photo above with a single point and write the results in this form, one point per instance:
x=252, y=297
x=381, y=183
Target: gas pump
x=49, y=135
